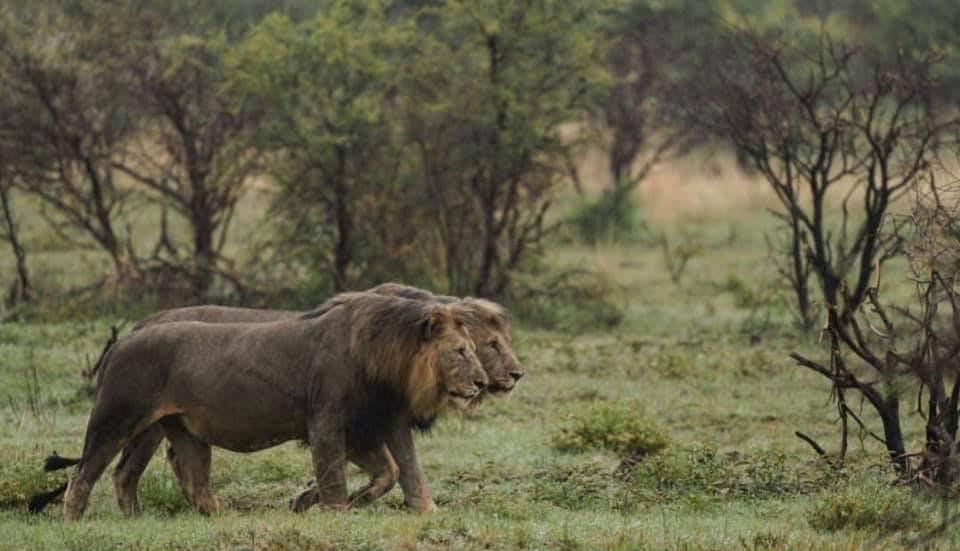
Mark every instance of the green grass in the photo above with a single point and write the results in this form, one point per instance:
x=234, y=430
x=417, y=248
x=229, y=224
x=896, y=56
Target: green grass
x=705, y=358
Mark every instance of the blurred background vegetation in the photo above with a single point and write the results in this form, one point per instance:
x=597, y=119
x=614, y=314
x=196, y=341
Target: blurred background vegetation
x=273, y=152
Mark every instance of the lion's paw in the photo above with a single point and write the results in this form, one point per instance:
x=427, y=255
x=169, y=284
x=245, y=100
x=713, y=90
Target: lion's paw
x=425, y=508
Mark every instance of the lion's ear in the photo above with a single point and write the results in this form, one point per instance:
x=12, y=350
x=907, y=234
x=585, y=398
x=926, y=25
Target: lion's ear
x=435, y=325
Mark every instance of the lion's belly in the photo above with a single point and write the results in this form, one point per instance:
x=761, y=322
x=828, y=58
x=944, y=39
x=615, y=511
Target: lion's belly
x=242, y=413
x=240, y=408
x=244, y=430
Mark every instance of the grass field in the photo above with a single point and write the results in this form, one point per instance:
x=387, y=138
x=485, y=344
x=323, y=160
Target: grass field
x=703, y=360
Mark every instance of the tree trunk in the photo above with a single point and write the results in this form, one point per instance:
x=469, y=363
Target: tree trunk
x=488, y=188
x=343, y=252
x=800, y=284
x=204, y=255
x=890, y=417
x=484, y=278
x=24, y=291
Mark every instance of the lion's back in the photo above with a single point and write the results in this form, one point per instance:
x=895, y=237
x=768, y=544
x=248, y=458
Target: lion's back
x=212, y=313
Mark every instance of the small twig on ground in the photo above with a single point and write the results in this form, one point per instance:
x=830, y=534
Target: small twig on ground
x=813, y=443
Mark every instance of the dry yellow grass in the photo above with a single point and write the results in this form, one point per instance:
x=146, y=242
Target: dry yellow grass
x=708, y=185
x=702, y=188
x=700, y=185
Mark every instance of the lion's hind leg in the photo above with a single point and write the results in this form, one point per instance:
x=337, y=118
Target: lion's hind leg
x=133, y=461
x=107, y=432
x=190, y=458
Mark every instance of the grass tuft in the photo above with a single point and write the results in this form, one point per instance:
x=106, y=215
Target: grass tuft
x=619, y=427
x=873, y=506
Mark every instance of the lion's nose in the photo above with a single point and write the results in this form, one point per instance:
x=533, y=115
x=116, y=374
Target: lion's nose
x=516, y=375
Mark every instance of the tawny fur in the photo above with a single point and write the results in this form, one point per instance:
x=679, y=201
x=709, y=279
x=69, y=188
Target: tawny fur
x=489, y=326
x=300, y=371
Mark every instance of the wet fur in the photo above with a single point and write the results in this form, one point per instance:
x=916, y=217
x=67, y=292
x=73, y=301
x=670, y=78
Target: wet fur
x=385, y=352
x=486, y=321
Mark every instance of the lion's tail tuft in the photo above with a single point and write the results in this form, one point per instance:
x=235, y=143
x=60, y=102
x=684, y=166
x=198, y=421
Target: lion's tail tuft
x=55, y=463
x=38, y=502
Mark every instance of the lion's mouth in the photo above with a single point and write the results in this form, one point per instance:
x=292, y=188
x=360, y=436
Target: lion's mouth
x=501, y=389
x=462, y=400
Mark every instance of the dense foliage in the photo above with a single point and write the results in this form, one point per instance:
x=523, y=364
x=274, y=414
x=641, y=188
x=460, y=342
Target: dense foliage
x=358, y=117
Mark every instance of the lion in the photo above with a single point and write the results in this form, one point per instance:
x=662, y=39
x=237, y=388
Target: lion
x=355, y=377
x=489, y=326
x=487, y=322
x=490, y=329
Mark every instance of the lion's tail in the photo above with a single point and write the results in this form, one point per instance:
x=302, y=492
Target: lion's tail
x=55, y=463
x=38, y=502
x=98, y=367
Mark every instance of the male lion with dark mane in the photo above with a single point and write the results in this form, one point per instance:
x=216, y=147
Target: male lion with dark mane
x=487, y=323
x=356, y=377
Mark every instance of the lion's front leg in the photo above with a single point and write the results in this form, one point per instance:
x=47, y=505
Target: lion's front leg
x=383, y=472
x=383, y=476
x=305, y=498
x=416, y=492
x=328, y=448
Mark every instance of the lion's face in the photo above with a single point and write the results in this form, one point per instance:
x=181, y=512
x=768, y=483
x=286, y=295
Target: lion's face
x=489, y=328
x=460, y=376
x=495, y=350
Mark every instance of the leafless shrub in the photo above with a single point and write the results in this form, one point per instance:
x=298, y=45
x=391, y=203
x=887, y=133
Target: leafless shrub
x=881, y=350
x=821, y=120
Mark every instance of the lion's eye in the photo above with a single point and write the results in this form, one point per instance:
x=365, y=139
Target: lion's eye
x=462, y=351
x=495, y=346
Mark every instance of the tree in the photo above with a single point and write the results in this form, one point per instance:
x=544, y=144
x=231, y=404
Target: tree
x=323, y=87
x=651, y=46
x=914, y=344
x=191, y=155
x=812, y=117
x=21, y=290
x=898, y=28
x=492, y=85
x=68, y=123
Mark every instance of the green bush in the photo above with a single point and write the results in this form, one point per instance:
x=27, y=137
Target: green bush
x=686, y=471
x=620, y=427
x=611, y=216
x=873, y=506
